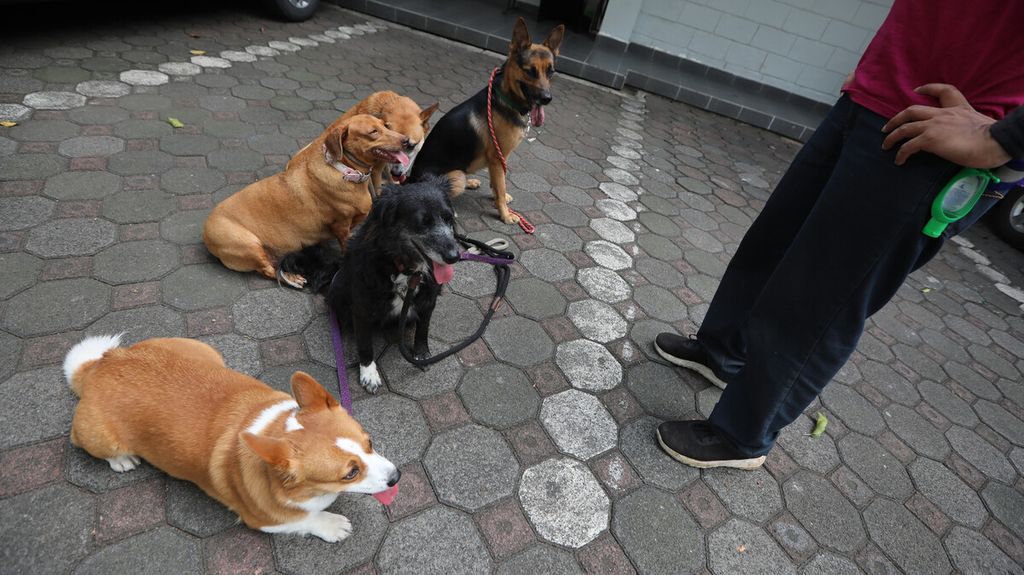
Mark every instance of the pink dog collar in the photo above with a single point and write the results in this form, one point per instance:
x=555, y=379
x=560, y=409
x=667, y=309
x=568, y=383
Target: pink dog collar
x=349, y=174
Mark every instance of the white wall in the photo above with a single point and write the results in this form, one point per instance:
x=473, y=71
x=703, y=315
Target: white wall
x=802, y=46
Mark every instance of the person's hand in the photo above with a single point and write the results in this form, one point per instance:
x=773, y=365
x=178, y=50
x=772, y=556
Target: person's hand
x=954, y=131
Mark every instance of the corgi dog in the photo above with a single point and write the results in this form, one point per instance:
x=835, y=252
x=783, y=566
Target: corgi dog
x=277, y=460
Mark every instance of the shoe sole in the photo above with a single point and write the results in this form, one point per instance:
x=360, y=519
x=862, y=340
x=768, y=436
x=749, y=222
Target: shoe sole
x=747, y=464
x=691, y=365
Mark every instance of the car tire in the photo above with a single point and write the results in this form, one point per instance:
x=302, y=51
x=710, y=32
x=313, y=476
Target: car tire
x=1007, y=218
x=293, y=10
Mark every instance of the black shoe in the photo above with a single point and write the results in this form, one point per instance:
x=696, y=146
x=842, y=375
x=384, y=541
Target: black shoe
x=686, y=352
x=697, y=444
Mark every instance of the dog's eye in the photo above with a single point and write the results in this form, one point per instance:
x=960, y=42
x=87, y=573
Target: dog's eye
x=373, y=132
x=532, y=72
x=352, y=474
x=387, y=125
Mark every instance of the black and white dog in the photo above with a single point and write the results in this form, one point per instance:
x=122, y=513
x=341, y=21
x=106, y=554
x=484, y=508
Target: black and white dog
x=409, y=230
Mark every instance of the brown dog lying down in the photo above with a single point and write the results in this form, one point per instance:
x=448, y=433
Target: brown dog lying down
x=275, y=460
x=400, y=114
x=320, y=195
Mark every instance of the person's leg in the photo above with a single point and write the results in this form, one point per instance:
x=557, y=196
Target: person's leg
x=857, y=245
x=763, y=246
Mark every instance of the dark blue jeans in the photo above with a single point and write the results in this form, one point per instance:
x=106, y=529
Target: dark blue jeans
x=838, y=236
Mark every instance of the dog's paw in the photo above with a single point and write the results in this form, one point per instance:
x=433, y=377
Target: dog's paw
x=509, y=218
x=122, y=463
x=331, y=527
x=421, y=352
x=369, y=377
x=295, y=280
x=472, y=184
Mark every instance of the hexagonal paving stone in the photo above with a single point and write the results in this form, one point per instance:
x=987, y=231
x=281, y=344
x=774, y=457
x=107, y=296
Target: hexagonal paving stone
x=20, y=271
x=597, y=320
x=608, y=255
x=71, y=237
x=603, y=284
x=471, y=467
x=760, y=554
x=399, y=443
x=54, y=100
x=535, y=299
x=540, y=559
x=1006, y=504
x=905, y=539
x=136, y=206
x=313, y=556
x=1004, y=422
x=30, y=166
x=46, y=530
x=22, y=212
x=141, y=323
x=461, y=317
x=407, y=379
x=853, y=410
x=191, y=510
x=14, y=112
x=36, y=405
x=657, y=533
x=660, y=390
x=56, y=306
x=184, y=227
x=160, y=551
x=817, y=454
x=948, y=492
x=140, y=163
x=202, y=286
x=519, y=341
x=558, y=238
x=473, y=279
x=588, y=365
x=546, y=264
x=612, y=230
x=498, y=396
x=913, y=428
x=876, y=466
x=82, y=185
x=84, y=146
x=240, y=353
x=135, y=261
x=179, y=144
x=971, y=552
x=823, y=511
x=438, y=541
x=96, y=475
x=981, y=454
x=144, y=78
x=564, y=502
x=235, y=160
x=578, y=423
x=270, y=313
x=659, y=303
x=616, y=210
x=830, y=564
x=750, y=494
x=640, y=446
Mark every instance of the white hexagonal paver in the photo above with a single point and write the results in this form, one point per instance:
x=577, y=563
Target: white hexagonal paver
x=322, y=38
x=612, y=230
x=237, y=56
x=618, y=191
x=144, y=78
x=284, y=46
x=579, y=424
x=608, y=255
x=14, y=112
x=180, y=68
x=597, y=320
x=210, y=62
x=564, y=501
x=603, y=284
x=588, y=365
x=103, y=89
x=261, y=51
x=54, y=100
x=616, y=210
x=302, y=41
x=337, y=34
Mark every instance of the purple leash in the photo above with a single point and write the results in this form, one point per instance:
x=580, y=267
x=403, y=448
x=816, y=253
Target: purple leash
x=339, y=358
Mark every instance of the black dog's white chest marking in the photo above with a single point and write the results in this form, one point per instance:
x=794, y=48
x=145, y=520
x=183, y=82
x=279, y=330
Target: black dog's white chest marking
x=400, y=288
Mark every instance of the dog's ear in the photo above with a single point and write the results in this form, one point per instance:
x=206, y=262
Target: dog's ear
x=520, y=37
x=426, y=114
x=554, y=39
x=335, y=142
x=275, y=452
x=385, y=209
x=309, y=394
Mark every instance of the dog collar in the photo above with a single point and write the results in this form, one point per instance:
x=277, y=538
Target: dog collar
x=504, y=99
x=347, y=173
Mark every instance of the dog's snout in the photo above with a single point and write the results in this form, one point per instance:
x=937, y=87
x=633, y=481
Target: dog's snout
x=394, y=477
x=409, y=144
x=406, y=143
x=544, y=98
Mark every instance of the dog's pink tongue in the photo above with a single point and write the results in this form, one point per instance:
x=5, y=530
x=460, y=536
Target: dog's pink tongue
x=537, y=115
x=443, y=272
x=402, y=158
x=387, y=496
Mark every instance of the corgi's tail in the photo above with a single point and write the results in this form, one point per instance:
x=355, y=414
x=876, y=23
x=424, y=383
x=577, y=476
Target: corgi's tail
x=88, y=350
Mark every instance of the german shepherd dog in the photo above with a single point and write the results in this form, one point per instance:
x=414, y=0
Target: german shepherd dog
x=461, y=141
x=410, y=230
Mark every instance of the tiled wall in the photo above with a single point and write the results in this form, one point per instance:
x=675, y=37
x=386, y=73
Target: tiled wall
x=802, y=46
